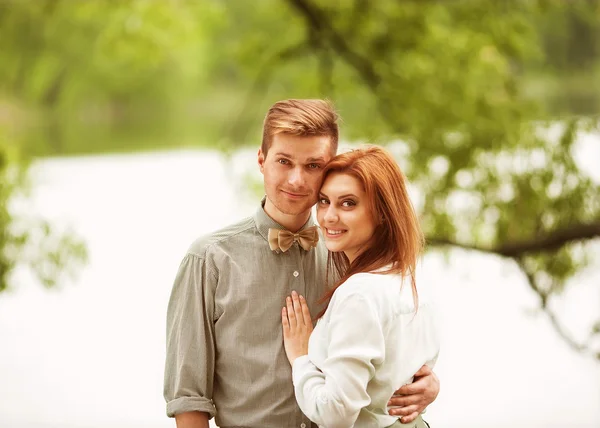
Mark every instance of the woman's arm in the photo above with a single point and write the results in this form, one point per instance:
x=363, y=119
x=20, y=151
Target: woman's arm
x=334, y=395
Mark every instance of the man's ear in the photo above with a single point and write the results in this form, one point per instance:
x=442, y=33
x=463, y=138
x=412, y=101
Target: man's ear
x=261, y=160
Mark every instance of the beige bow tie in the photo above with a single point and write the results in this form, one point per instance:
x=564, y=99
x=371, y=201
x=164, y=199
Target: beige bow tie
x=280, y=239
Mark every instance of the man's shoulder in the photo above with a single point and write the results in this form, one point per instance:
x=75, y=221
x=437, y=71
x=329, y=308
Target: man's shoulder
x=209, y=242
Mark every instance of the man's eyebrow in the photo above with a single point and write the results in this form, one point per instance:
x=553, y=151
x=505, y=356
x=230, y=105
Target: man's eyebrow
x=309, y=160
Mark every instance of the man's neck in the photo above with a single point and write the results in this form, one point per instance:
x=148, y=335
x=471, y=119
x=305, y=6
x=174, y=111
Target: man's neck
x=291, y=222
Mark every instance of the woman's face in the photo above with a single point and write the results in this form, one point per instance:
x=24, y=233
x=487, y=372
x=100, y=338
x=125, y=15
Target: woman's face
x=344, y=215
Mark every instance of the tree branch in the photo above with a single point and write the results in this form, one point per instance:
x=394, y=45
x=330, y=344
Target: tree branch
x=558, y=327
x=317, y=20
x=262, y=76
x=549, y=242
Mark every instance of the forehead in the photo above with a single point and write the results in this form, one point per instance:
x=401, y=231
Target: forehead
x=302, y=148
x=339, y=183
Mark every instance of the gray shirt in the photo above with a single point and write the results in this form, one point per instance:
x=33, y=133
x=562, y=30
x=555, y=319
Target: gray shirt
x=225, y=352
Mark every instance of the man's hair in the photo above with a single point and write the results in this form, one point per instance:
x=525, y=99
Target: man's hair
x=397, y=240
x=303, y=118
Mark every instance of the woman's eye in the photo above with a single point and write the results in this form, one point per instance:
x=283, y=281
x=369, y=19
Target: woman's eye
x=323, y=201
x=348, y=204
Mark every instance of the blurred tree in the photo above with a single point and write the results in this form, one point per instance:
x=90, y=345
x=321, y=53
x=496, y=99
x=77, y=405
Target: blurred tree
x=64, y=55
x=568, y=76
x=28, y=241
x=443, y=81
x=83, y=61
x=448, y=83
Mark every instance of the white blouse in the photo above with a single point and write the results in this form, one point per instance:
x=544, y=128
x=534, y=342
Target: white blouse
x=368, y=343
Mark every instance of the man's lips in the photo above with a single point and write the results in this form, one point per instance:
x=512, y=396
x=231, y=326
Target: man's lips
x=295, y=195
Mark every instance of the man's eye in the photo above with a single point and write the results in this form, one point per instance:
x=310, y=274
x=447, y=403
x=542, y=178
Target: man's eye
x=283, y=161
x=314, y=166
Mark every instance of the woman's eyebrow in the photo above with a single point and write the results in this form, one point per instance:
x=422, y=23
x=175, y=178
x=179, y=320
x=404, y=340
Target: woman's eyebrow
x=339, y=197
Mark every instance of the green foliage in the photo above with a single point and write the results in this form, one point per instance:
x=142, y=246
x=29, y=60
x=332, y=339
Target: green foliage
x=448, y=81
x=471, y=94
x=567, y=78
x=8, y=241
x=31, y=242
x=60, y=53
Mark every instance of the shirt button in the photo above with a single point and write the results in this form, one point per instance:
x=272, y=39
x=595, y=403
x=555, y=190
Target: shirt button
x=296, y=273
x=302, y=425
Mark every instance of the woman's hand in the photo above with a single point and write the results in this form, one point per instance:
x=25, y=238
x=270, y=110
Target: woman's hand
x=297, y=326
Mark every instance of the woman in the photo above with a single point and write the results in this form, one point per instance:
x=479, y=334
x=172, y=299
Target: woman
x=375, y=332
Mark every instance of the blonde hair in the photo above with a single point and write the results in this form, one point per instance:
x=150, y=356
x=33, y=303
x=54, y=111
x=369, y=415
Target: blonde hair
x=305, y=118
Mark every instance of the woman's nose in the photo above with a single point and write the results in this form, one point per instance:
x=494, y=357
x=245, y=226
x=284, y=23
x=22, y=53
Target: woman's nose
x=330, y=215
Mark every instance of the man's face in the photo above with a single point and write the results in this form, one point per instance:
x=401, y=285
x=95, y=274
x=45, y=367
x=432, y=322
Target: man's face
x=293, y=171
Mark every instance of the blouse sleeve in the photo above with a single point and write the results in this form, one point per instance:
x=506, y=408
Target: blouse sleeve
x=334, y=395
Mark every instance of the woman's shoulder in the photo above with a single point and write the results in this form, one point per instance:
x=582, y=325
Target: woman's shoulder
x=363, y=285
x=357, y=281
x=385, y=289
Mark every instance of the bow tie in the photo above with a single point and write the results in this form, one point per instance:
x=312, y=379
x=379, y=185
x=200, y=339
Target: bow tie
x=280, y=239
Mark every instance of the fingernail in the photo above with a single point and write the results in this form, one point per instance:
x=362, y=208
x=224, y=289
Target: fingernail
x=294, y=293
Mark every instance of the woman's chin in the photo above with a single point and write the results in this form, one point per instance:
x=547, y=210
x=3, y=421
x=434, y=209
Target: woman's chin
x=333, y=247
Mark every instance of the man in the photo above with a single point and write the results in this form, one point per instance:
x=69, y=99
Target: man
x=225, y=354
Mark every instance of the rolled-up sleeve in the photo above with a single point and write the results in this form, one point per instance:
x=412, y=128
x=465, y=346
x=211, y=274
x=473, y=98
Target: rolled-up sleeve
x=190, y=354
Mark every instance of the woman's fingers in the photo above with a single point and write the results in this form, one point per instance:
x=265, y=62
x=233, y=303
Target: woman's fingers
x=297, y=308
x=306, y=313
x=290, y=312
x=284, y=321
x=296, y=313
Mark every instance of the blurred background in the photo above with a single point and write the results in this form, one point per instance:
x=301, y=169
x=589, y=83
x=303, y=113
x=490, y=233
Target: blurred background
x=129, y=128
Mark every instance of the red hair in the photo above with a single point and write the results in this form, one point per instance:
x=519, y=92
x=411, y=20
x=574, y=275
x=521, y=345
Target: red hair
x=397, y=240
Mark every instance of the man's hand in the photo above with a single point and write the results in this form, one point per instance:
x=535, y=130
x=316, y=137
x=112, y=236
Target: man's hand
x=297, y=327
x=410, y=400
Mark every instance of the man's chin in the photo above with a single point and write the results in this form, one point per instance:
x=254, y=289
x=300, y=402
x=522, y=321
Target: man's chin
x=294, y=209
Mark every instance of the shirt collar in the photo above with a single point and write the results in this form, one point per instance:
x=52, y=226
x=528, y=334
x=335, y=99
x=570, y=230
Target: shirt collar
x=264, y=222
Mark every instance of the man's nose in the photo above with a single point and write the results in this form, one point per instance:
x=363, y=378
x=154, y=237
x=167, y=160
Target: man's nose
x=297, y=178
